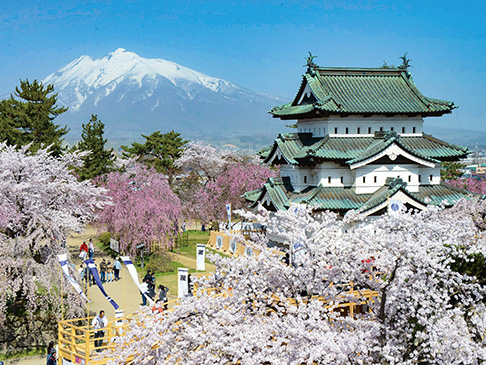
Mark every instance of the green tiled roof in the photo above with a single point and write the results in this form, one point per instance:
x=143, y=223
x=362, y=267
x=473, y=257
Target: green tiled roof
x=345, y=198
x=297, y=147
x=360, y=91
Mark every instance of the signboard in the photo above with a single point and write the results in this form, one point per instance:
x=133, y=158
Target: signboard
x=115, y=245
x=233, y=246
x=201, y=257
x=219, y=242
x=183, y=282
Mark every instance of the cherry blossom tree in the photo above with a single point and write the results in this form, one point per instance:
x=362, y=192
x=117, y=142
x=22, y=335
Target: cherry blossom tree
x=474, y=185
x=217, y=177
x=40, y=201
x=144, y=209
x=425, y=310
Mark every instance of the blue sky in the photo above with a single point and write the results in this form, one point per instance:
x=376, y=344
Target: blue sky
x=260, y=45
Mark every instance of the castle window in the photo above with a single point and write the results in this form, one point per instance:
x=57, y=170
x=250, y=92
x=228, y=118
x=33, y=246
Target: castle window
x=392, y=129
x=342, y=180
x=431, y=177
x=374, y=179
x=381, y=129
x=347, y=130
x=409, y=178
x=357, y=130
x=369, y=130
x=364, y=179
x=403, y=129
x=335, y=130
x=319, y=131
x=420, y=178
x=314, y=131
x=305, y=179
x=329, y=179
x=413, y=130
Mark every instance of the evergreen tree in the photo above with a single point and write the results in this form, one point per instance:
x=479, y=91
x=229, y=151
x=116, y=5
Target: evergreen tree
x=99, y=161
x=451, y=170
x=28, y=115
x=159, y=151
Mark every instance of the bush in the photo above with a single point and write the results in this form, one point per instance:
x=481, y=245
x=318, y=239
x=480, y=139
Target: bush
x=159, y=262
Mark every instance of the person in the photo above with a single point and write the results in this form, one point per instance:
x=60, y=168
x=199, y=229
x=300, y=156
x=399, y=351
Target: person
x=50, y=350
x=190, y=286
x=82, y=272
x=143, y=292
x=83, y=251
x=52, y=360
x=116, y=268
x=183, y=226
x=109, y=272
x=150, y=280
x=157, y=308
x=103, y=270
x=162, y=297
x=100, y=321
x=91, y=248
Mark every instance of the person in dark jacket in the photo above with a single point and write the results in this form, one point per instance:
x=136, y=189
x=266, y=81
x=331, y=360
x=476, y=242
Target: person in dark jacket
x=52, y=359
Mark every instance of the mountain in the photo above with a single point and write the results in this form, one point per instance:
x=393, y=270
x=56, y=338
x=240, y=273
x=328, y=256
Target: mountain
x=134, y=95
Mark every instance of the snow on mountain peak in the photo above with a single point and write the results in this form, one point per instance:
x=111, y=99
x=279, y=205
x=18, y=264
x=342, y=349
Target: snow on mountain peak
x=84, y=76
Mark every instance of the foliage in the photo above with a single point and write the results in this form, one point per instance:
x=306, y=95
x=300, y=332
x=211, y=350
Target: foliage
x=99, y=161
x=451, y=170
x=424, y=311
x=158, y=151
x=27, y=117
x=217, y=177
x=144, y=208
x=159, y=262
x=40, y=200
x=470, y=184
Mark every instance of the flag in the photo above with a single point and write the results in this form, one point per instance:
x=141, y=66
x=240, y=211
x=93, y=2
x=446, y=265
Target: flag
x=133, y=273
x=228, y=210
x=201, y=257
x=64, y=265
x=96, y=276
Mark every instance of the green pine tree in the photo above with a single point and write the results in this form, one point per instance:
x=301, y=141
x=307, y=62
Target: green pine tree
x=451, y=170
x=99, y=161
x=28, y=115
x=159, y=151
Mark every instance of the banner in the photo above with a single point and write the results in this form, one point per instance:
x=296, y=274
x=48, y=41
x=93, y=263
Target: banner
x=133, y=273
x=297, y=253
x=228, y=210
x=233, y=246
x=394, y=207
x=183, y=282
x=115, y=245
x=248, y=251
x=64, y=265
x=201, y=257
x=96, y=276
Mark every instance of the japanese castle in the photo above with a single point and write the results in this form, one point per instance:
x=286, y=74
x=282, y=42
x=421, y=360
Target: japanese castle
x=359, y=142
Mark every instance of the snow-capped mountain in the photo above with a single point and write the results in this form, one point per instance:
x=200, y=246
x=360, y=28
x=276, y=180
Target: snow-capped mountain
x=134, y=95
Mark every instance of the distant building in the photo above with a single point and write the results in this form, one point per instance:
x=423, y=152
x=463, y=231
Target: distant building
x=359, y=142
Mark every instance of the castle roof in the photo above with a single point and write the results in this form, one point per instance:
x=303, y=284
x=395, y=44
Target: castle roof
x=302, y=148
x=278, y=194
x=359, y=91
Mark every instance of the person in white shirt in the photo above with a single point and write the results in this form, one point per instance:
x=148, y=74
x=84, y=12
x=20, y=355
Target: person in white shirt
x=100, y=321
x=90, y=248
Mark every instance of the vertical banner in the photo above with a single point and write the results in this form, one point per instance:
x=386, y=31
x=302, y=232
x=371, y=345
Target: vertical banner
x=64, y=265
x=96, y=276
x=133, y=273
x=183, y=282
x=394, y=207
x=201, y=257
x=228, y=210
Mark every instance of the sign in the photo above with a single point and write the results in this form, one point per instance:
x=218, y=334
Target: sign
x=248, y=251
x=394, y=207
x=115, y=245
x=201, y=257
x=219, y=242
x=228, y=210
x=233, y=246
x=183, y=282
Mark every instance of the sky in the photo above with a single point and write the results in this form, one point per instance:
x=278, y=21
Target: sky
x=261, y=45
